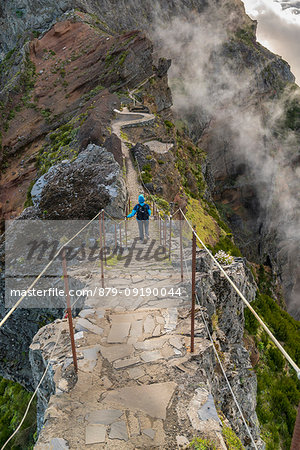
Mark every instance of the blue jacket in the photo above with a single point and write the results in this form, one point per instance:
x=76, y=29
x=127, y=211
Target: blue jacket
x=142, y=203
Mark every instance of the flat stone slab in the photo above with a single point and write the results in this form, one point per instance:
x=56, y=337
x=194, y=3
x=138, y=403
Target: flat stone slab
x=149, y=432
x=86, y=312
x=95, y=434
x=118, y=333
x=176, y=342
x=114, y=352
x=153, y=399
x=58, y=444
x=149, y=325
x=118, y=430
x=151, y=344
x=86, y=325
x=136, y=372
x=208, y=410
x=122, y=363
x=90, y=357
x=151, y=356
x=136, y=329
x=104, y=416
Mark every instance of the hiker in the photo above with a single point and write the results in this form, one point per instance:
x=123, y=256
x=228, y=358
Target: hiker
x=143, y=212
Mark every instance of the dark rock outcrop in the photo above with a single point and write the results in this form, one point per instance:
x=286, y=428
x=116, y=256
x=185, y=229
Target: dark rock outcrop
x=80, y=189
x=225, y=317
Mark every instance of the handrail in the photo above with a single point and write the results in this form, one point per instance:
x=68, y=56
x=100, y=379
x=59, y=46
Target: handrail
x=44, y=270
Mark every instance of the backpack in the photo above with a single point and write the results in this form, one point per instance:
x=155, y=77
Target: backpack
x=142, y=212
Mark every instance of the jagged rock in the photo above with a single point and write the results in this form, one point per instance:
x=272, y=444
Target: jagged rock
x=82, y=188
x=225, y=310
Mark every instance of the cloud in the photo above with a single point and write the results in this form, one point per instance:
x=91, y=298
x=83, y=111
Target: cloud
x=223, y=99
x=278, y=28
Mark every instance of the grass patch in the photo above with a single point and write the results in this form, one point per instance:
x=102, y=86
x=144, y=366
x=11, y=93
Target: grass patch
x=206, y=227
x=278, y=391
x=13, y=402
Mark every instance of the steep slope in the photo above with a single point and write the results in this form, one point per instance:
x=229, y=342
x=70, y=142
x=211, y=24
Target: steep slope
x=228, y=87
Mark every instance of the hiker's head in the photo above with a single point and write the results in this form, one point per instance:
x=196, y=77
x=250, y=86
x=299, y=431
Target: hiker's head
x=141, y=199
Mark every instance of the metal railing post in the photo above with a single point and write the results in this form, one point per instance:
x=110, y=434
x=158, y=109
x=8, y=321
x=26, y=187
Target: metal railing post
x=181, y=247
x=193, y=290
x=70, y=319
x=170, y=237
x=159, y=228
x=104, y=238
x=296, y=435
x=165, y=233
x=120, y=230
x=101, y=250
x=126, y=226
x=116, y=240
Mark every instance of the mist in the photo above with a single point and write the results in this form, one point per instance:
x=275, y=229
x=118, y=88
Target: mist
x=278, y=28
x=236, y=112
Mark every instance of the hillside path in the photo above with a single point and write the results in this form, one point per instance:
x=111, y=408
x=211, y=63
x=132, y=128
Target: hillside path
x=138, y=385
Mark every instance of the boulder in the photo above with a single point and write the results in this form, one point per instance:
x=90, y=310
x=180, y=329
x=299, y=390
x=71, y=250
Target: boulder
x=79, y=189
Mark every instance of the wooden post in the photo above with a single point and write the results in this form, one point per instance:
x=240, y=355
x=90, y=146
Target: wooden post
x=193, y=290
x=101, y=250
x=296, y=435
x=70, y=320
x=181, y=247
x=104, y=238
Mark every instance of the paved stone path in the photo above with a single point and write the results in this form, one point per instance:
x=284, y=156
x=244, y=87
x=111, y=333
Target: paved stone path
x=138, y=386
x=124, y=119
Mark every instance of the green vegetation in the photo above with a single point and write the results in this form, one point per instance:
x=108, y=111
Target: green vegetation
x=62, y=146
x=146, y=173
x=231, y=439
x=206, y=228
x=202, y=444
x=13, y=402
x=292, y=120
x=278, y=392
x=226, y=243
x=28, y=201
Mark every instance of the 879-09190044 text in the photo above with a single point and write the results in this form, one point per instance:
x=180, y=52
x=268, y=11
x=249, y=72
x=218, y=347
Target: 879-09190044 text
x=140, y=292
x=102, y=292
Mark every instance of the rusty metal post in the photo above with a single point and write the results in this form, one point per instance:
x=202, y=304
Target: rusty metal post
x=126, y=227
x=170, y=237
x=101, y=250
x=70, y=319
x=193, y=290
x=181, y=247
x=159, y=228
x=296, y=435
x=104, y=238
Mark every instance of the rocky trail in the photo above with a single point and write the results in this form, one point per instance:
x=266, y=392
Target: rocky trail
x=137, y=383
x=126, y=119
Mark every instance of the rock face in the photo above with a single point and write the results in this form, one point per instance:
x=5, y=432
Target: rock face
x=225, y=316
x=80, y=189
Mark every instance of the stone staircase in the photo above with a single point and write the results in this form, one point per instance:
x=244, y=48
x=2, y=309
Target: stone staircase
x=138, y=386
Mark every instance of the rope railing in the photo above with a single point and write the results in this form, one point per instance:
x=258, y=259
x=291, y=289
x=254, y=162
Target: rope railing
x=267, y=330
x=220, y=363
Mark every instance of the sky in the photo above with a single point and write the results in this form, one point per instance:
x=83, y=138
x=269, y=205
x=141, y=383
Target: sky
x=278, y=28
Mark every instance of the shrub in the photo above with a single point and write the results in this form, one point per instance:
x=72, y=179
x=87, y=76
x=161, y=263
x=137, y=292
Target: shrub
x=224, y=258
